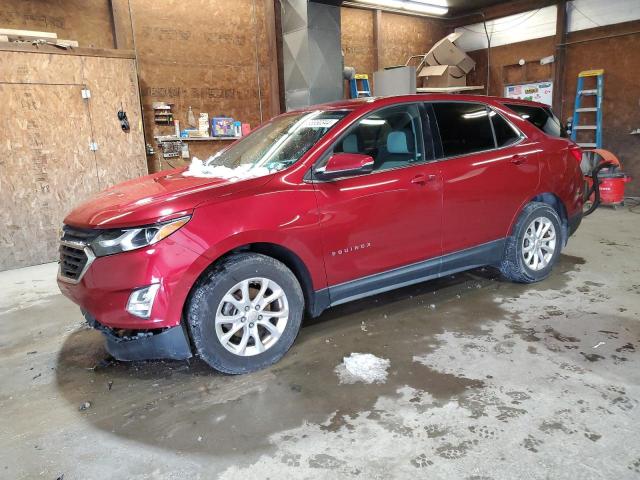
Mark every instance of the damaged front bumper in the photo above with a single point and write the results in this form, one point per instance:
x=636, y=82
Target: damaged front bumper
x=133, y=345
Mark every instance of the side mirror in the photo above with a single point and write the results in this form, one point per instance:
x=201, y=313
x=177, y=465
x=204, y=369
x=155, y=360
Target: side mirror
x=345, y=165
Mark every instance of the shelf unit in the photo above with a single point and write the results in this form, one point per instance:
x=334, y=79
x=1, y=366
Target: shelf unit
x=195, y=139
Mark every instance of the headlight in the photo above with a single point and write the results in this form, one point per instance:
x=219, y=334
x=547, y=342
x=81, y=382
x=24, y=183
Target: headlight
x=125, y=239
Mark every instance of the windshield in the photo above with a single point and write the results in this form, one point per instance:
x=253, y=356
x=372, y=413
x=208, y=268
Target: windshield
x=278, y=144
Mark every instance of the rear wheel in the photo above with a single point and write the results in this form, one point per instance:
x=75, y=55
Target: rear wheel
x=534, y=245
x=245, y=313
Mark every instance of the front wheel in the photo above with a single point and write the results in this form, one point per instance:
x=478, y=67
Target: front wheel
x=534, y=246
x=245, y=313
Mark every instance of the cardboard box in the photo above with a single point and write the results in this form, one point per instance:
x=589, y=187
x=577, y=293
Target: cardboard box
x=442, y=76
x=203, y=123
x=445, y=52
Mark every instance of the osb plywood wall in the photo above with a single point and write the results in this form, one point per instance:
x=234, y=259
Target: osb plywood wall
x=400, y=37
x=47, y=127
x=617, y=56
x=87, y=21
x=403, y=36
x=216, y=57
x=357, y=39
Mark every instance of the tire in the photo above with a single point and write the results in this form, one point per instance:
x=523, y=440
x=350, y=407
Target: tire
x=518, y=265
x=212, y=298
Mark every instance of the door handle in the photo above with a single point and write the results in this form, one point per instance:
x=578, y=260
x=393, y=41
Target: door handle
x=518, y=159
x=419, y=179
x=423, y=179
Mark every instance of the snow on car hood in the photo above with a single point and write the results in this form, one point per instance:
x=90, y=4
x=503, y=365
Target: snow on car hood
x=200, y=169
x=161, y=195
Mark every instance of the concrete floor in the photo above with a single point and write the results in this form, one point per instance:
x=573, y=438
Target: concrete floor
x=487, y=380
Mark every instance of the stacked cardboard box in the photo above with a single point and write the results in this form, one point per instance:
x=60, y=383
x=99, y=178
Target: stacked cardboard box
x=446, y=65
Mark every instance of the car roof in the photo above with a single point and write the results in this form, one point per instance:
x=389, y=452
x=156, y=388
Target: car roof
x=369, y=103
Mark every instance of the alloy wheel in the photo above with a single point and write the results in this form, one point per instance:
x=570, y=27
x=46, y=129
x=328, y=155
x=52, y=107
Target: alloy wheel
x=252, y=316
x=539, y=243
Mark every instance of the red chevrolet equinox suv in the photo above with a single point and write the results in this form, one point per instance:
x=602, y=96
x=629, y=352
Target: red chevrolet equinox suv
x=316, y=208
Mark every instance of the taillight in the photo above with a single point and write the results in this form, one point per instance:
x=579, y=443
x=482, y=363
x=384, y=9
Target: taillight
x=576, y=152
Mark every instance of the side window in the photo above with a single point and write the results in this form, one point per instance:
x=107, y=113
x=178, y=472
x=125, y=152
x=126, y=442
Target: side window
x=464, y=127
x=505, y=133
x=543, y=118
x=392, y=136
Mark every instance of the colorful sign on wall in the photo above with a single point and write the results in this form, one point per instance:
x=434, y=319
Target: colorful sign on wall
x=538, y=92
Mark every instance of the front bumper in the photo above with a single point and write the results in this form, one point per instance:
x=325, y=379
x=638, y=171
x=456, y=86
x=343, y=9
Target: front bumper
x=104, y=289
x=170, y=343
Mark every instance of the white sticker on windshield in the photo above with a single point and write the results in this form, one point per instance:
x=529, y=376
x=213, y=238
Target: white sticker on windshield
x=320, y=123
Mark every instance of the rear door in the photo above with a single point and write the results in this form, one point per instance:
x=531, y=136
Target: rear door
x=376, y=222
x=489, y=169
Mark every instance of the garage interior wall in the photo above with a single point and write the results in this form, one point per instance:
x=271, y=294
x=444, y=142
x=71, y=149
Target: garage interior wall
x=87, y=21
x=217, y=57
x=399, y=37
x=613, y=48
x=48, y=129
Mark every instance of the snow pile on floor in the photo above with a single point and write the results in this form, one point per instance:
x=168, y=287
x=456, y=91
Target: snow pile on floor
x=198, y=168
x=363, y=367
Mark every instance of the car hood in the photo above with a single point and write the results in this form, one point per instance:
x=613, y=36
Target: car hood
x=154, y=198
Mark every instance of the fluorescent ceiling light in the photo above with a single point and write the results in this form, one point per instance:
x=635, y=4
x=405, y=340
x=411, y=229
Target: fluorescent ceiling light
x=372, y=121
x=417, y=6
x=478, y=114
x=440, y=3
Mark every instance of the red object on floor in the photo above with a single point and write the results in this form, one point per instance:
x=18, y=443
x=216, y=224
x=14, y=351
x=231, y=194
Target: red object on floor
x=612, y=188
x=611, y=180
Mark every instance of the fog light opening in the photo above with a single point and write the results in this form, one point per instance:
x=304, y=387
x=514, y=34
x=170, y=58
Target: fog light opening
x=141, y=301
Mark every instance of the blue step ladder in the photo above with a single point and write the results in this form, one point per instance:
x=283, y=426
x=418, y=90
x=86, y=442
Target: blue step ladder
x=581, y=92
x=362, y=89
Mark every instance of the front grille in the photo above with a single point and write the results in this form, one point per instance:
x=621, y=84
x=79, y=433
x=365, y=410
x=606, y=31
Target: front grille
x=72, y=262
x=74, y=258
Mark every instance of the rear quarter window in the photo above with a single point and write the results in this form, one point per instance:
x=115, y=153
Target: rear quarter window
x=541, y=117
x=505, y=133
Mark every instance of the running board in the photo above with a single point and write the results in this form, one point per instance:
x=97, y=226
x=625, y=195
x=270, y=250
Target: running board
x=486, y=254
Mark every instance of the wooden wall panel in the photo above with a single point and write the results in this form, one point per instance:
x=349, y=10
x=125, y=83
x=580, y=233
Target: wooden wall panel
x=30, y=68
x=208, y=65
x=617, y=55
x=621, y=62
x=48, y=169
x=401, y=36
x=530, y=51
x=357, y=39
x=87, y=21
x=404, y=35
x=113, y=85
x=47, y=126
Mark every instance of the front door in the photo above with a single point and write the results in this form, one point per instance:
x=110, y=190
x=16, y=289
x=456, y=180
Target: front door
x=380, y=221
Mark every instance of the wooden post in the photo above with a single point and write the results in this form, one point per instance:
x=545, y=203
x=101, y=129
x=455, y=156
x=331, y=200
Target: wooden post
x=377, y=40
x=271, y=25
x=121, y=23
x=559, y=61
